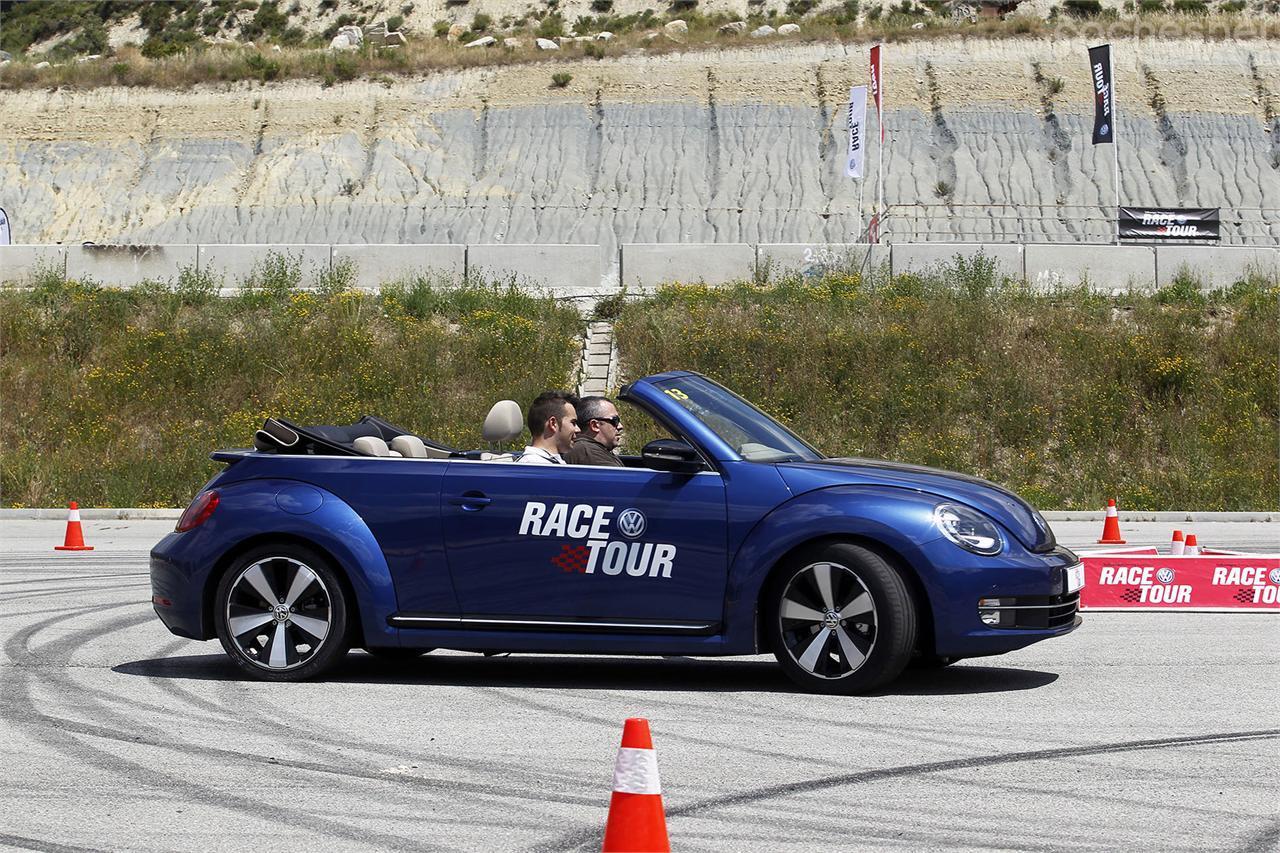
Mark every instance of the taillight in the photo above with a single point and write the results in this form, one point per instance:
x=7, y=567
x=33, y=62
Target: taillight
x=199, y=511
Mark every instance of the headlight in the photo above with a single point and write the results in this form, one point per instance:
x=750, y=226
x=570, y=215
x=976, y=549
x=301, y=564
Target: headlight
x=969, y=529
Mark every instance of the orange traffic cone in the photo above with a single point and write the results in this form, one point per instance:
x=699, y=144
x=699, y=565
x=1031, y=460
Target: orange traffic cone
x=1111, y=527
x=636, y=819
x=1177, y=546
x=1193, y=547
x=75, y=537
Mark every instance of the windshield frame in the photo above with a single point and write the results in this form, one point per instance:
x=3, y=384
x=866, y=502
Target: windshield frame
x=736, y=410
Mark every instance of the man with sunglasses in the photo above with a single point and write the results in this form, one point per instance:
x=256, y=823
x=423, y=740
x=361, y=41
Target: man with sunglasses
x=553, y=424
x=601, y=432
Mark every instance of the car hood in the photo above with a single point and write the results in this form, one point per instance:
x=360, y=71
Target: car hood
x=1015, y=514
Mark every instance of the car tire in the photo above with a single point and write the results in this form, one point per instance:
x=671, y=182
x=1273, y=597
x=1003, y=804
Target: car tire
x=397, y=653
x=280, y=612
x=840, y=619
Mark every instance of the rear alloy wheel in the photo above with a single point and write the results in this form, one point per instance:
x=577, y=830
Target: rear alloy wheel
x=841, y=620
x=281, y=613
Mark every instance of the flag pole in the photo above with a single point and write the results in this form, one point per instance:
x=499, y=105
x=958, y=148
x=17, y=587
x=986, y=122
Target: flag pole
x=1115, y=141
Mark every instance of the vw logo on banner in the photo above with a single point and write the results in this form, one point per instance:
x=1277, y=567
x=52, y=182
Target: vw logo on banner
x=1165, y=575
x=631, y=523
x=1275, y=576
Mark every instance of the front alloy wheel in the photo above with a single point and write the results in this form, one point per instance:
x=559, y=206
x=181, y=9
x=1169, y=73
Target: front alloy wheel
x=841, y=620
x=281, y=613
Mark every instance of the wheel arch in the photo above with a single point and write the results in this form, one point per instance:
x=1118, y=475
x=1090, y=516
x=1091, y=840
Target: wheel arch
x=355, y=627
x=899, y=563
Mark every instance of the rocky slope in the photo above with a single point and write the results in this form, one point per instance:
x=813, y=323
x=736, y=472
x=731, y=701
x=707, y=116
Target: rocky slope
x=987, y=141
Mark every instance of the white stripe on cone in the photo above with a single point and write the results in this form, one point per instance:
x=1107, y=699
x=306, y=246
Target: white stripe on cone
x=73, y=515
x=636, y=772
x=1111, y=512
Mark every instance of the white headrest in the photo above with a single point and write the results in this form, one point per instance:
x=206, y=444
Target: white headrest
x=409, y=446
x=504, y=422
x=371, y=445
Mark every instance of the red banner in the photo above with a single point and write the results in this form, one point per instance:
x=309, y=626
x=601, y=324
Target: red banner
x=876, y=87
x=1143, y=579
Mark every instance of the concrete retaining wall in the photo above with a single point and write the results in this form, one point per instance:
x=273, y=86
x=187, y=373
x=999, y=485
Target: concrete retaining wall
x=647, y=265
x=1047, y=267
x=20, y=263
x=125, y=266
x=376, y=265
x=580, y=270
x=820, y=258
x=923, y=257
x=1215, y=266
x=565, y=269
x=235, y=263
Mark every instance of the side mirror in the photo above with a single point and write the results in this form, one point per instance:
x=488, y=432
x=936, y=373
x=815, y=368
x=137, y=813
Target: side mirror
x=670, y=454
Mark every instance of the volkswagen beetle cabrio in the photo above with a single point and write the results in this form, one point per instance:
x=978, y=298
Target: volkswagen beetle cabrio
x=727, y=535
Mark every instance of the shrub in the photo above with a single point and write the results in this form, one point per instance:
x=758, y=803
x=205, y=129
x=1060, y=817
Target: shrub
x=602, y=7
x=1064, y=397
x=116, y=397
x=1191, y=7
x=1082, y=8
x=394, y=23
x=264, y=69
x=551, y=26
x=441, y=29
x=560, y=79
x=1150, y=6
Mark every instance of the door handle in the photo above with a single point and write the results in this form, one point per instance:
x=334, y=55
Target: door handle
x=471, y=501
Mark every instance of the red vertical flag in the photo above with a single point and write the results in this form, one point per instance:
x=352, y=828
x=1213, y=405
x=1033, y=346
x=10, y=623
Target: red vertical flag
x=876, y=87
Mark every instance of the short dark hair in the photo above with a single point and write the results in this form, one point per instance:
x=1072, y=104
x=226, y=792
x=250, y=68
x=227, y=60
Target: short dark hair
x=547, y=405
x=591, y=407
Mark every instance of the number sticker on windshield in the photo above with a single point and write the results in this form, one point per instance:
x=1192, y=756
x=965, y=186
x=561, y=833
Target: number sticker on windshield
x=677, y=394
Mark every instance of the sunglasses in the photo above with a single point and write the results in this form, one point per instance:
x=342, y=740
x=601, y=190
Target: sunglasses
x=615, y=420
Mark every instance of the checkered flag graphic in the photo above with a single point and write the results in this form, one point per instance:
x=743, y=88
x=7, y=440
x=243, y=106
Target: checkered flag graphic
x=1132, y=595
x=572, y=558
x=1244, y=595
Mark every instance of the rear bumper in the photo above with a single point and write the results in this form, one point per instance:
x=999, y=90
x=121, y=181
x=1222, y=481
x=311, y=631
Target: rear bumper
x=177, y=583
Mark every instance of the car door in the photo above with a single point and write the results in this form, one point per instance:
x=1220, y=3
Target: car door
x=580, y=543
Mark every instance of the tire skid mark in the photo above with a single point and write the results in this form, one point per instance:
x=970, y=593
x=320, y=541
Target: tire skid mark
x=24, y=843
x=612, y=724
x=22, y=712
x=45, y=593
x=62, y=578
x=19, y=645
x=590, y=837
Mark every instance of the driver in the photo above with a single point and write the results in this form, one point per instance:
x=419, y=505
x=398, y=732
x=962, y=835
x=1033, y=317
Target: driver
x=553, y=424
x=601, y=433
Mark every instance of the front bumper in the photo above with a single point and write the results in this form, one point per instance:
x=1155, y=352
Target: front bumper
x=1031, y=586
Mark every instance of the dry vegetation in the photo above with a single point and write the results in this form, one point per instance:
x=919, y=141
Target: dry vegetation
x=284, y=58
x=1168, y=400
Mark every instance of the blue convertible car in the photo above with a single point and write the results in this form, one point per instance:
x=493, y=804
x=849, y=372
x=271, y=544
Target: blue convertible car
x=728, y=535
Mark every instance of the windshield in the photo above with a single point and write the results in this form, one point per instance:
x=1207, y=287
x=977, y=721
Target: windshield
x=753, y=434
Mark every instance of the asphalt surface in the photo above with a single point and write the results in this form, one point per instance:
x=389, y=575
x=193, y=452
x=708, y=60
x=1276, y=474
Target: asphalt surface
x=1139, y=731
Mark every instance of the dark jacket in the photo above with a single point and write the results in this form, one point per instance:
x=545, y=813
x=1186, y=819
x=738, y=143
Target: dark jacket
x=588, y=451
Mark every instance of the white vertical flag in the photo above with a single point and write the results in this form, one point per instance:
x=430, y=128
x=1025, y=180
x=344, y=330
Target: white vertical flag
x=857, y=132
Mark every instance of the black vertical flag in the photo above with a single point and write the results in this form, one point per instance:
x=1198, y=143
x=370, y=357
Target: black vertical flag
x=1104, y=93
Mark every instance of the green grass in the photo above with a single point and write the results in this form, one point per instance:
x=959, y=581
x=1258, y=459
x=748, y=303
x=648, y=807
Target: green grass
x=1166, y=401
x=116, y=397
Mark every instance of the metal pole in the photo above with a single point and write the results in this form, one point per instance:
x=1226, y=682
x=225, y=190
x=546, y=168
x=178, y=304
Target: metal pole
x=1115, y=140
x=880, y=156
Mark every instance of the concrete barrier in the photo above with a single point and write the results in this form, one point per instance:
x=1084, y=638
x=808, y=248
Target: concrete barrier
x=18, y=264
x=376, y=265
x=1050, y=266
x=922, y=257
x=234, y=263
x=647, y=265
x=564, y=269
x=1216, y=266
x=814, y=259
x=126, y=266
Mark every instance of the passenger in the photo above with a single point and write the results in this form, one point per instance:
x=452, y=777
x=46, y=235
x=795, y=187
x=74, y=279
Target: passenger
x=601, y=433
x=553, y=424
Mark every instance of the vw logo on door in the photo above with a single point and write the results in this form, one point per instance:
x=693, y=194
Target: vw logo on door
x=631, y=523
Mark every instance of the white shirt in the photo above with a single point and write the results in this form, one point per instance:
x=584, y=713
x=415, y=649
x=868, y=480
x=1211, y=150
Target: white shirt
x=537, y=456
